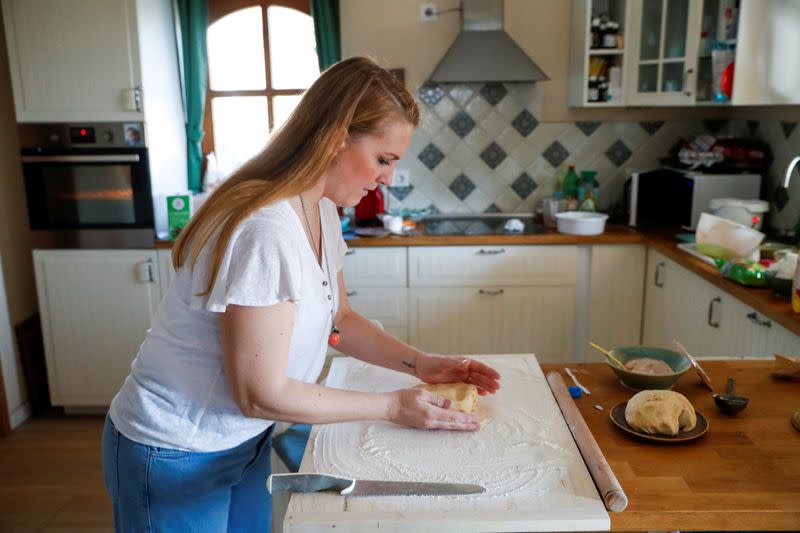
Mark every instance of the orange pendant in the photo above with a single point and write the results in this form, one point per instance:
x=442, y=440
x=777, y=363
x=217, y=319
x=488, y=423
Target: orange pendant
x=334, y=337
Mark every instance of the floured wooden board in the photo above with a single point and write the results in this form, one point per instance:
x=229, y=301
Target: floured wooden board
x=524, y=456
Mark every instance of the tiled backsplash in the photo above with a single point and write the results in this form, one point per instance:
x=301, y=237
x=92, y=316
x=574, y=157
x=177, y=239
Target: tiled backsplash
x=480, y=148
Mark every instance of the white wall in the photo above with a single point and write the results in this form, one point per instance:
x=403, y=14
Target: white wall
x=18, y=288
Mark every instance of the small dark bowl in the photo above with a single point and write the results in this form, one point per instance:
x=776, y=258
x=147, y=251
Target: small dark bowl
x=730, y=405
x=781, y=287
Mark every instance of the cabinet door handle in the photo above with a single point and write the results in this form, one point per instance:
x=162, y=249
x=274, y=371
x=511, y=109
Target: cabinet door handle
x=657, y=277
x=352, y=293
x=491, y=292
x=349, y=252
x=145, y=272
x=491, y=252
x=711, y=312
x=686, y=80
x=755, y=320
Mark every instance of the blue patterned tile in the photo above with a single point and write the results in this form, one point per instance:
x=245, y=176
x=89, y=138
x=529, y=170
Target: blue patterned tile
x=433, y=210
x=494, y=92
x=462, y=124
x=492, y=209
x=493, y=155
x=555, y=154
x=524, y=185
x=430, y=93
x=588, y=127
x=462, y=186
x=618, y=153
x=652, y=127
x=431, y=156
x=401, y=192
x=788, y=128
x=525, y=123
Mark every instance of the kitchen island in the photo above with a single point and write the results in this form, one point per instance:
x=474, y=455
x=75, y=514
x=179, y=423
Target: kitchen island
x=743, y=474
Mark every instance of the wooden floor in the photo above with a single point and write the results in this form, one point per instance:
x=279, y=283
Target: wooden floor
x=51, y=477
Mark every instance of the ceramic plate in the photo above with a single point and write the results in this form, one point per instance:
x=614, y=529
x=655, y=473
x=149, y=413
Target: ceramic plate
x=372, y=232
x=618, y=417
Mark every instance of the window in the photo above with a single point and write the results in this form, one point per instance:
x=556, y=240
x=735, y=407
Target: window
x=261, y=57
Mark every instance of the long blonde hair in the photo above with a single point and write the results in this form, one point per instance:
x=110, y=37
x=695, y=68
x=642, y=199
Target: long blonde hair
x=354, y=96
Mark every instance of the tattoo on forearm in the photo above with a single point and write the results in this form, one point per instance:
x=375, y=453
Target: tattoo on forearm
x=410, y=366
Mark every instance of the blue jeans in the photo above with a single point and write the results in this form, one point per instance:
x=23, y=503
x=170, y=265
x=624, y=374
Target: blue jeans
x=164, y=490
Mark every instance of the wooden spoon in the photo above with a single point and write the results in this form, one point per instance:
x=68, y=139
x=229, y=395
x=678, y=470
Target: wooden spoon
x=608, y=354
x=696, y=366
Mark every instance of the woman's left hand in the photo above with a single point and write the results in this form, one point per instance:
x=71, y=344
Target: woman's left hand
x=457, y=369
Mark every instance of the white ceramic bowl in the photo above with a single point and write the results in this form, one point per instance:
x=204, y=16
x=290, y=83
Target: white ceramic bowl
x=581, y=223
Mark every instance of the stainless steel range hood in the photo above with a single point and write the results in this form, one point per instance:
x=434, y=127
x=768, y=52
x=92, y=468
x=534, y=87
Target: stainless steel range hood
x=483, y=52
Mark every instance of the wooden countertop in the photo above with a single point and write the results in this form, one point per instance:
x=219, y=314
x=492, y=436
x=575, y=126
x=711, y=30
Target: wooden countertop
x=743, y=474
x=760, y=299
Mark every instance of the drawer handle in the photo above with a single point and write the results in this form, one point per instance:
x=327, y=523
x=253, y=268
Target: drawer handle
x=711, y=312
x=491, y=252
x=491, y=292
x=657, y=279
x=352, y=293
x=755, y=320
x=349, y=252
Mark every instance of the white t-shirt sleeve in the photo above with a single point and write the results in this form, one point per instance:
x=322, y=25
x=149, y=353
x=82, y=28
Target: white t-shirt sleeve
x=261, y=267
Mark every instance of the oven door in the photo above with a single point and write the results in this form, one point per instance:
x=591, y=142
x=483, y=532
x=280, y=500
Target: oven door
x=89, y=198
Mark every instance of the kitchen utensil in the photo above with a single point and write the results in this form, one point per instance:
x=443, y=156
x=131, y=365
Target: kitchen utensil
x=581, y=223
x=618, y=418
x=637, y=381
x=577, y=383
x=606, y=482
x=608, y=354
x=696, y=366
x=729, y=403
x=355, y=487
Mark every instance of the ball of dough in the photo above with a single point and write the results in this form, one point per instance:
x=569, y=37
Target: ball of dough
x=662, y=412
x=462, y=396
x=649, y=366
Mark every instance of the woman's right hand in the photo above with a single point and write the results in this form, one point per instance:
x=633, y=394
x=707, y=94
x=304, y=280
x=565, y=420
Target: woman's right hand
x=423, y=409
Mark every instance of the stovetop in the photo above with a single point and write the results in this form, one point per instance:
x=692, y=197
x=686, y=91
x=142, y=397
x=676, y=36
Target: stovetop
x=486, y=224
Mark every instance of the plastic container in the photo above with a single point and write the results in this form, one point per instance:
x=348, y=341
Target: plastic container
x=720, y=238
x=570, y=187
x=581, y=223
x=796, y=290
x=747, y=212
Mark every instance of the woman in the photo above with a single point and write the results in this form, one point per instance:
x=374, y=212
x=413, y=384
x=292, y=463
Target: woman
x=240, y=338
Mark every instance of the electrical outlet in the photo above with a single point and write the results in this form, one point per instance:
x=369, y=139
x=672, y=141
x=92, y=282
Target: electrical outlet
x=427, y=12
x=401, y=178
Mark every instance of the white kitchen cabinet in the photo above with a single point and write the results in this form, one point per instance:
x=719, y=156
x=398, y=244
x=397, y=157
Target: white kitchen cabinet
x=493, y=299
x=616, y=294
x=710, y=323
x=165, y=270
x=663, y=44
x=73, y=59
x=767, y=71
x=96, y=61
x=96, y=307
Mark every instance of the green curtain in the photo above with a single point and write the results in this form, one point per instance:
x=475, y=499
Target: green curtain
x=326, y=29
x=193, y=17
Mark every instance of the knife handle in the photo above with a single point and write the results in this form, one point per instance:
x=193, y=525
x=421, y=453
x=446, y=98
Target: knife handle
x=309, y=483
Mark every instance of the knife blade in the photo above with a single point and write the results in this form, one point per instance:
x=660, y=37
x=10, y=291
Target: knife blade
x=358, y=487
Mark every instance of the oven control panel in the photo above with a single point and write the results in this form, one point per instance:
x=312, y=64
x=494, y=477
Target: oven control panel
x=82, y=135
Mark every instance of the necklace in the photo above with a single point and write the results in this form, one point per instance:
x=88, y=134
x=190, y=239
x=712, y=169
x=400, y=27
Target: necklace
x=334, y=337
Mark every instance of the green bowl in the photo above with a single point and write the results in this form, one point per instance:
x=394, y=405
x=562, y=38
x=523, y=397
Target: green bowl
x=677, y=361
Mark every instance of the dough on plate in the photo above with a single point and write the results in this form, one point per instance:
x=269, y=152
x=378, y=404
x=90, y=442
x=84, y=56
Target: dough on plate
x=462, y=396
x=649, y=366
x=662, y=412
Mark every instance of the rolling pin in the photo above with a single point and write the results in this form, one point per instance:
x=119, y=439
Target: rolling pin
x=604, y=479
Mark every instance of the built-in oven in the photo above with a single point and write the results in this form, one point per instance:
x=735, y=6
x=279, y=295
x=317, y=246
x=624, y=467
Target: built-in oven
x=87, y=185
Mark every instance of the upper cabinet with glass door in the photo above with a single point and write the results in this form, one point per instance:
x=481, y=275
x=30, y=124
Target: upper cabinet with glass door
x=661, y=63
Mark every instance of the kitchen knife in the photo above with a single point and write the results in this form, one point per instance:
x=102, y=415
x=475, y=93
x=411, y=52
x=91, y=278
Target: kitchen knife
x=357, y=487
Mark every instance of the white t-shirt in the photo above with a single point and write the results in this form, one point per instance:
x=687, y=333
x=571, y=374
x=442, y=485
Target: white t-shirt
x=177, y=394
